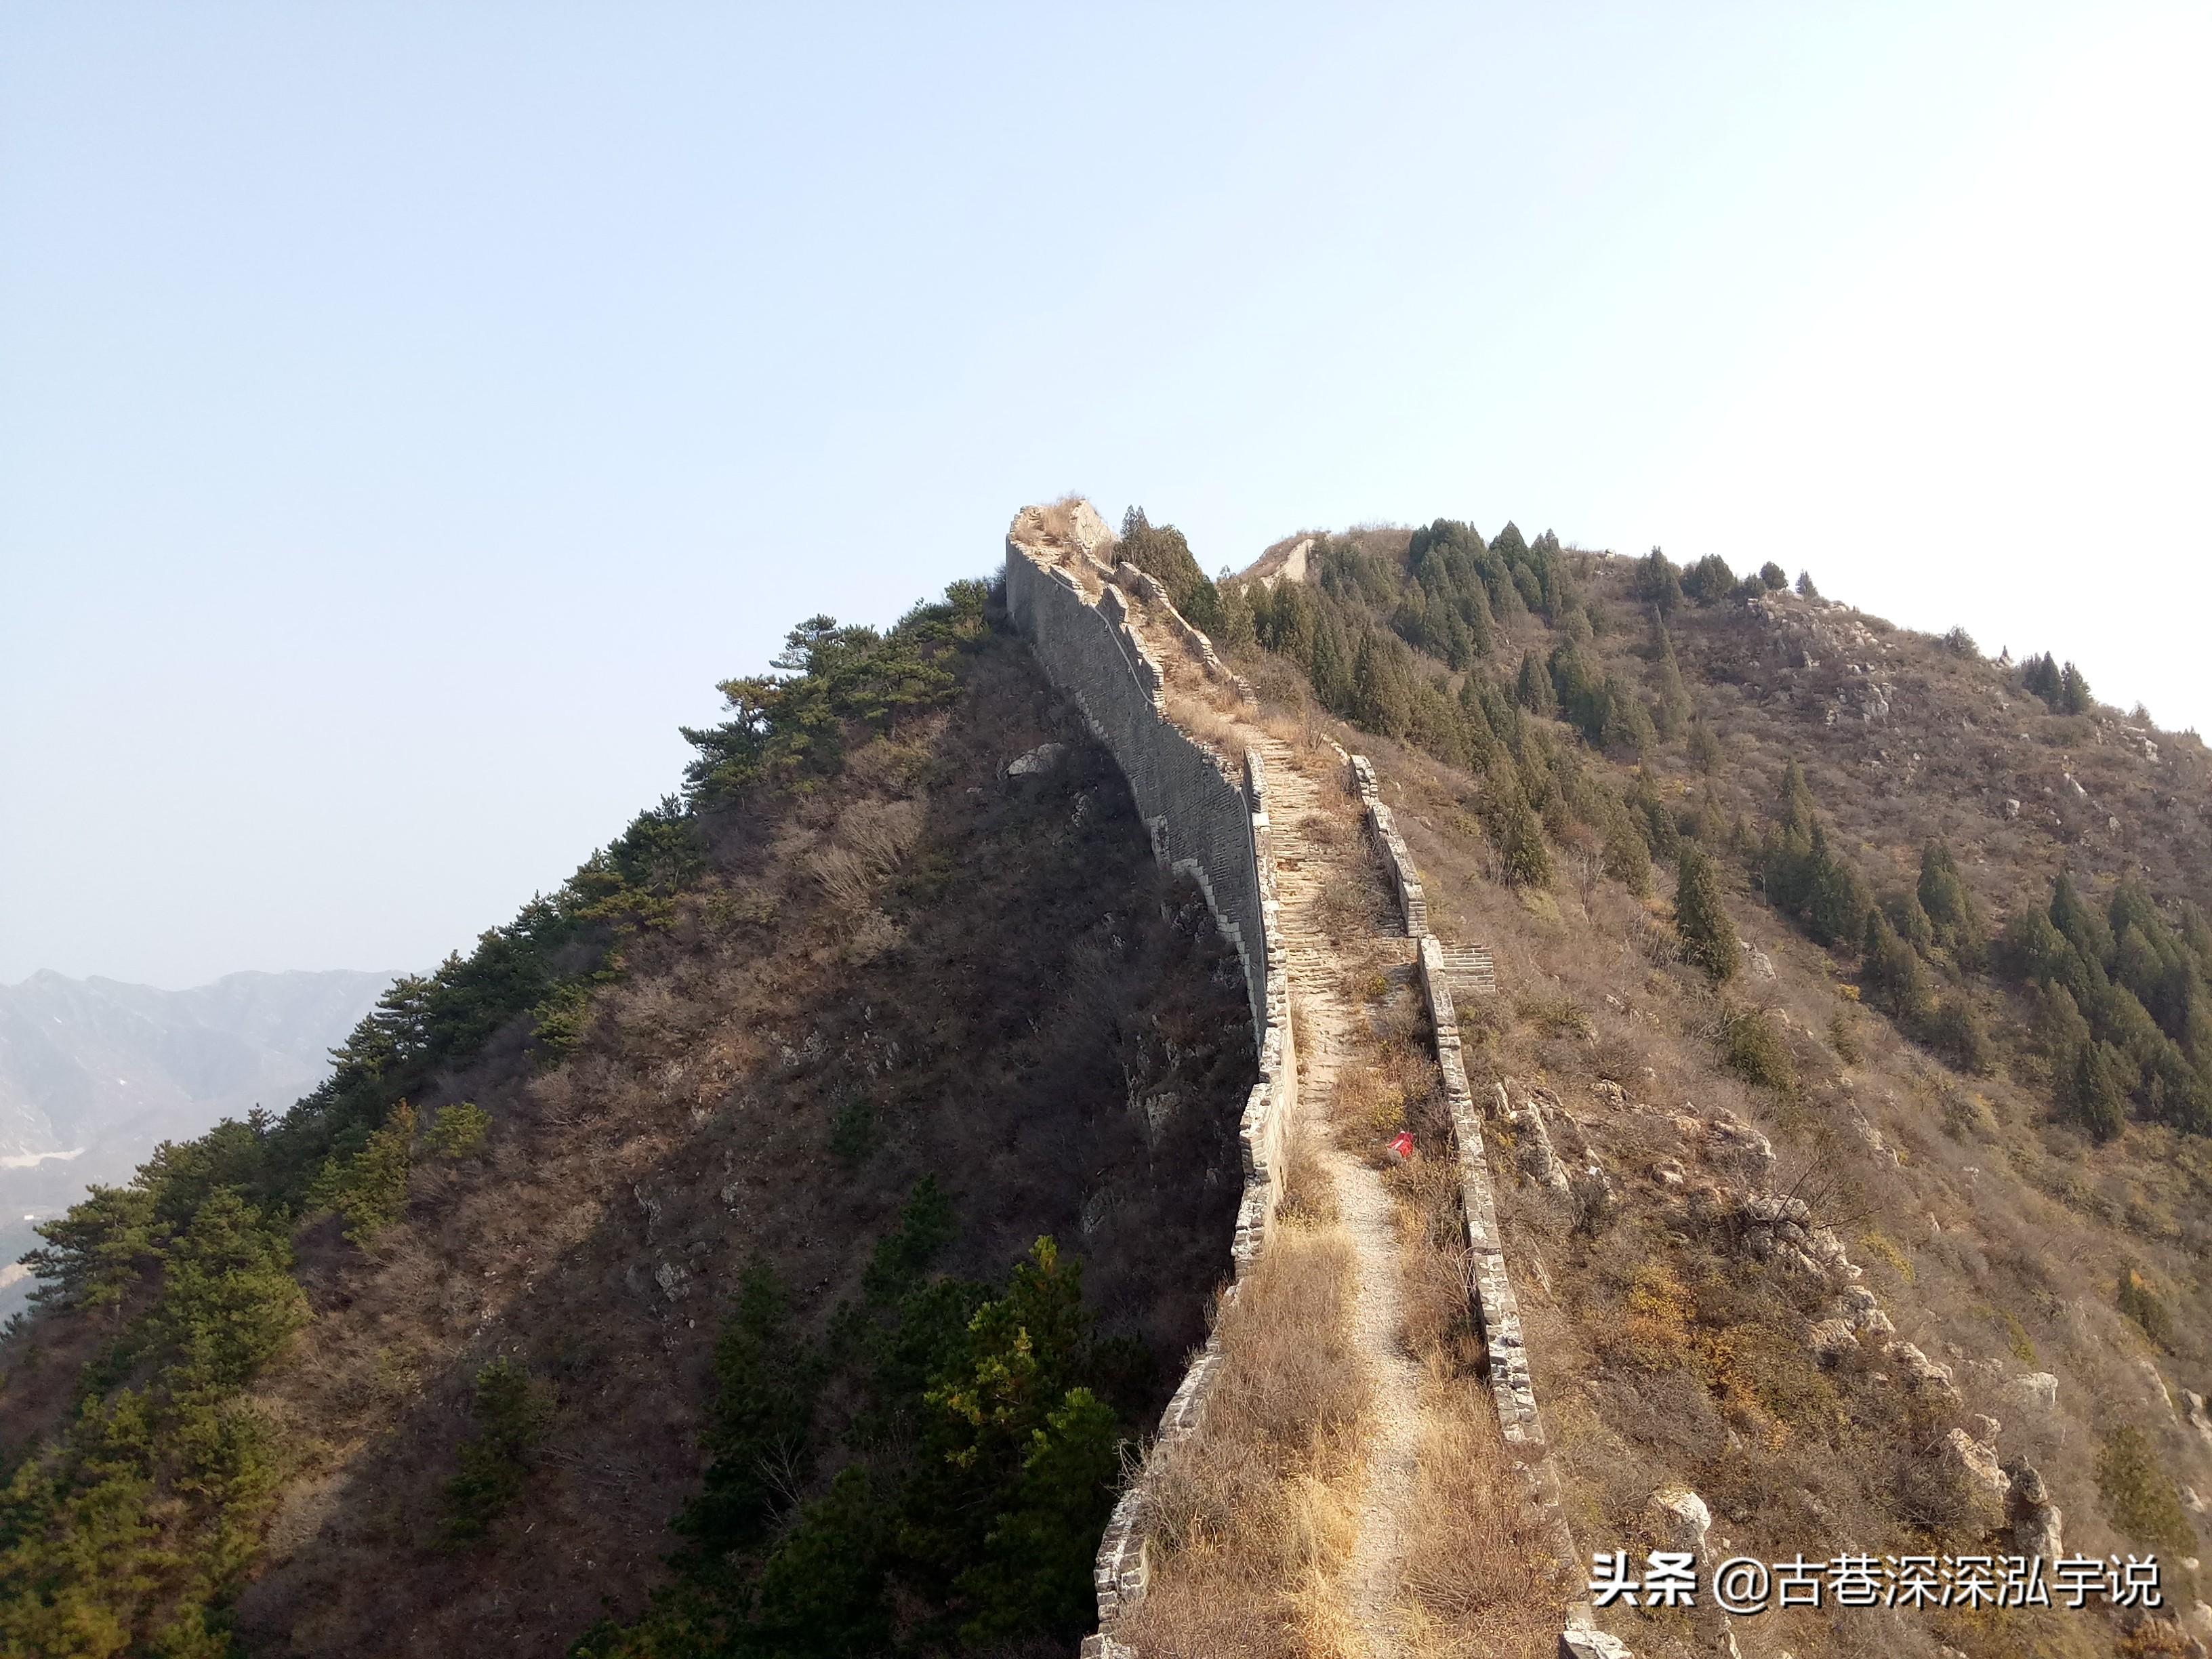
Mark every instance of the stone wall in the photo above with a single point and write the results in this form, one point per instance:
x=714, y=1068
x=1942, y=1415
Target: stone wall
x=1504, y=1342
x=1207, y=818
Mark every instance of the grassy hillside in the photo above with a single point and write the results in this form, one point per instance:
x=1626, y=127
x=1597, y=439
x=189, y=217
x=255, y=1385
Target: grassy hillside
x=666, y=1276
x=1858, y=987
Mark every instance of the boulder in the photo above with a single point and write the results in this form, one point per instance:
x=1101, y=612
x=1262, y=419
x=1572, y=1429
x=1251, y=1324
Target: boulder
x=1831, y=1340
x=1679, y=1519
x=1978, y=1464
x=1729, y=1137
x=2037, y=1389
x=1043, y=758
x=2198, y=1415
x=1921, y=1372
x=2034, y=1522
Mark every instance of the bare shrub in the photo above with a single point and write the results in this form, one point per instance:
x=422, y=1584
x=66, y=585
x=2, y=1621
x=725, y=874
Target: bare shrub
x=868, y=842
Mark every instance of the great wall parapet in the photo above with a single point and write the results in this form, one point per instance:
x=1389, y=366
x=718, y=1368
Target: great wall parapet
x=1206, y=822
x=1210, y=824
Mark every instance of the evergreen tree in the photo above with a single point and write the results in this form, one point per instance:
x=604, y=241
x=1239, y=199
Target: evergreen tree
x=1805, y=588
x=1656, y=817
x=1773, y=576
x=1907, y=915
x=1891, y=973
x=1950, y=908
x=1627, y=857
x=1532, y=688
x=1836, y=904
x=1709, y=580
x=2095, y=1093
x=1708, y=937
x=2073, y=692
x=1657, y=584
x=1381, y=696
x=1330, y=664
x=1161, y=551
x=1236, y=630
x=1705, y=747
x=1671, y=705
x=1517, y=830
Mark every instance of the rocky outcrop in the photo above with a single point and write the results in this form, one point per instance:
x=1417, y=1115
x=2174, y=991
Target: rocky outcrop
x=1976, y=1463
x=1679, y=1519
x=2033, y=1522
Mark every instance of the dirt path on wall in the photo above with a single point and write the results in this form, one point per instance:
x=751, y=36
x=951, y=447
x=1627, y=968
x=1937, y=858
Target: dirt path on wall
x=1311, y=864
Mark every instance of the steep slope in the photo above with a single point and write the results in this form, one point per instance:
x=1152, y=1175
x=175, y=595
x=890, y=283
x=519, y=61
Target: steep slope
x=796, y=1077
x=1829, y=1231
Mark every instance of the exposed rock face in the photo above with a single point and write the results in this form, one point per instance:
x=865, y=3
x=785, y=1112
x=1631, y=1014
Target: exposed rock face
x=1577, y=1642
x=2157, y=1384
x=2039, y=1390
x=1921, y=1372
x=1534, y=1152
x=2034, y=1520
x=1730, y=1139
x=1978, y=1464
x=1831, y=1340
x=2199, y=1416
x=1043, y=758
x=1679, y=1519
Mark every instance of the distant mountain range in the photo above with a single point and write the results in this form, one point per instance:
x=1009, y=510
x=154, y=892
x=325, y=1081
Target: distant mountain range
x=94, y=1073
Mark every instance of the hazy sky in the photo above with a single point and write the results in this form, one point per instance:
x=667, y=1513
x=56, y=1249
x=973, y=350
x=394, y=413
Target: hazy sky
x=408, y=414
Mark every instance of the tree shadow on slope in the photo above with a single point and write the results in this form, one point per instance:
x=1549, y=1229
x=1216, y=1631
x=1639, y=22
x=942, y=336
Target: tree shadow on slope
x=928, y=968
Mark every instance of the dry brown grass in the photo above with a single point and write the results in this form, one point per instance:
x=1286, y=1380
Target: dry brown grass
x=1252, y=1518
x=1477, y=1578
x=1308, y=1194
x=870, y=841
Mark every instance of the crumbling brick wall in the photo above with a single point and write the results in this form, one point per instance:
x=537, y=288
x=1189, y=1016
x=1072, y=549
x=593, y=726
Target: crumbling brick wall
x=1207, y=815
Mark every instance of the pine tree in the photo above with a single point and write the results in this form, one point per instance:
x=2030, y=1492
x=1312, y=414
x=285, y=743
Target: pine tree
x=1331, y=665
x=1773, y=576
x=1626, y=858
x=1237, y=630
x=1705, y=747
x=2073, y=692
x=1805, y=588
x=1709, y=580
x=1519, y=833
x=1708, y=937
x=1654, y=816
x=1533, y=688
x=2095, y=1093
x=1671, y=708
x=1891, y=973
x=1836, y=903
x=1657, y=583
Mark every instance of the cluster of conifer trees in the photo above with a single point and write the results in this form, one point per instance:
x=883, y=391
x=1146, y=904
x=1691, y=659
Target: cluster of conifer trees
x=130, y=1530
x=2122, y=999
x=975, y=1472
x=2124, y=1012
x=2066, y=691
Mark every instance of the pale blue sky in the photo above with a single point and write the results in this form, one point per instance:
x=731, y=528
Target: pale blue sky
x=407, y=414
